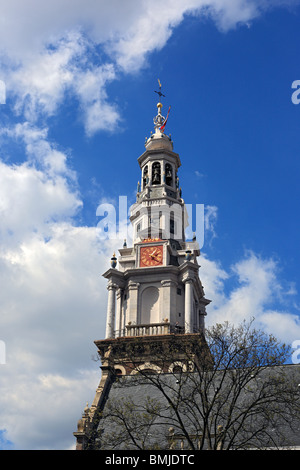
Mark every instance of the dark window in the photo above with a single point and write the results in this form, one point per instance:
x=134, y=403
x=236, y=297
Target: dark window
x=169, y=175
x=156, y=173
x=145, y=177
x=172, y=226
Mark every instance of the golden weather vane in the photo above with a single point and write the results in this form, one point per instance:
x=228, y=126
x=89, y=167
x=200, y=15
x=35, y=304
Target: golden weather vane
x=160, y=121
x=160, y=94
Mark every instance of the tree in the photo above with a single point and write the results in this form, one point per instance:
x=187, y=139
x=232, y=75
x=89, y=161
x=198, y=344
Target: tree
x=243, y=397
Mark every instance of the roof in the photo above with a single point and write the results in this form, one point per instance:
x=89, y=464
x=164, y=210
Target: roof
x=144, y=402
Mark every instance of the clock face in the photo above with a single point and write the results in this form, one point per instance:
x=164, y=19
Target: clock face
x=151, y=256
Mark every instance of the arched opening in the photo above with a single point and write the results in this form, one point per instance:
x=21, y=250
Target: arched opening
x=177, y=370
x=169, y=174
x=150, y=306
x=145, y=177
x=147, y=369
x=156, y=173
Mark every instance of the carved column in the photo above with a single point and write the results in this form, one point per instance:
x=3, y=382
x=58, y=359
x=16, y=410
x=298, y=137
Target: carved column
x=202, y=318
x=111, y=309
x=188, y=305
x=201, y=321
x=119, y=296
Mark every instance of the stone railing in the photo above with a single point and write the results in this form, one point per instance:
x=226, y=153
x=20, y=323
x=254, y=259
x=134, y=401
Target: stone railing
x=150, y=329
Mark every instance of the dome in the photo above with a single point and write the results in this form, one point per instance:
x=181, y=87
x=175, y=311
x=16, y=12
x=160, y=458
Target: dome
x=159, y=141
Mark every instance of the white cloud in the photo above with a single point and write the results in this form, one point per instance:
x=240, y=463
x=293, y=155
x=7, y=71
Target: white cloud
x=199, y=175
x=26, y=27
x=252, y=288
x=29, y=201
x=45, y=54
x=153, y=26
x=37, y=412
x=40, y=191
x=213, y=278
x=53, y=300
x=281, y=324
x=40, y=84
x=39, y=151
x=53, y=306
x=210, y=220
x=89, y=86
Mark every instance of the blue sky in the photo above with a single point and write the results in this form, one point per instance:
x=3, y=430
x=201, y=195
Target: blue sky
x=80, y=80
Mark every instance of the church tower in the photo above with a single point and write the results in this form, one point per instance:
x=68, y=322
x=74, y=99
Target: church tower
x=154, y=291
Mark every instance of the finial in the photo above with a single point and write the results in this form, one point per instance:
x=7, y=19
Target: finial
x=113, y=261
x=158, y=137
x=160, y=121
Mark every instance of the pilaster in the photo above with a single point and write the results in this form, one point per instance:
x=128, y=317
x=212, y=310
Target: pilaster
x=133, y=297
x=168, y=301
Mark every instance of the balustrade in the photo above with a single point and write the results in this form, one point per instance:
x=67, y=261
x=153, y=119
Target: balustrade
x=150, y=329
